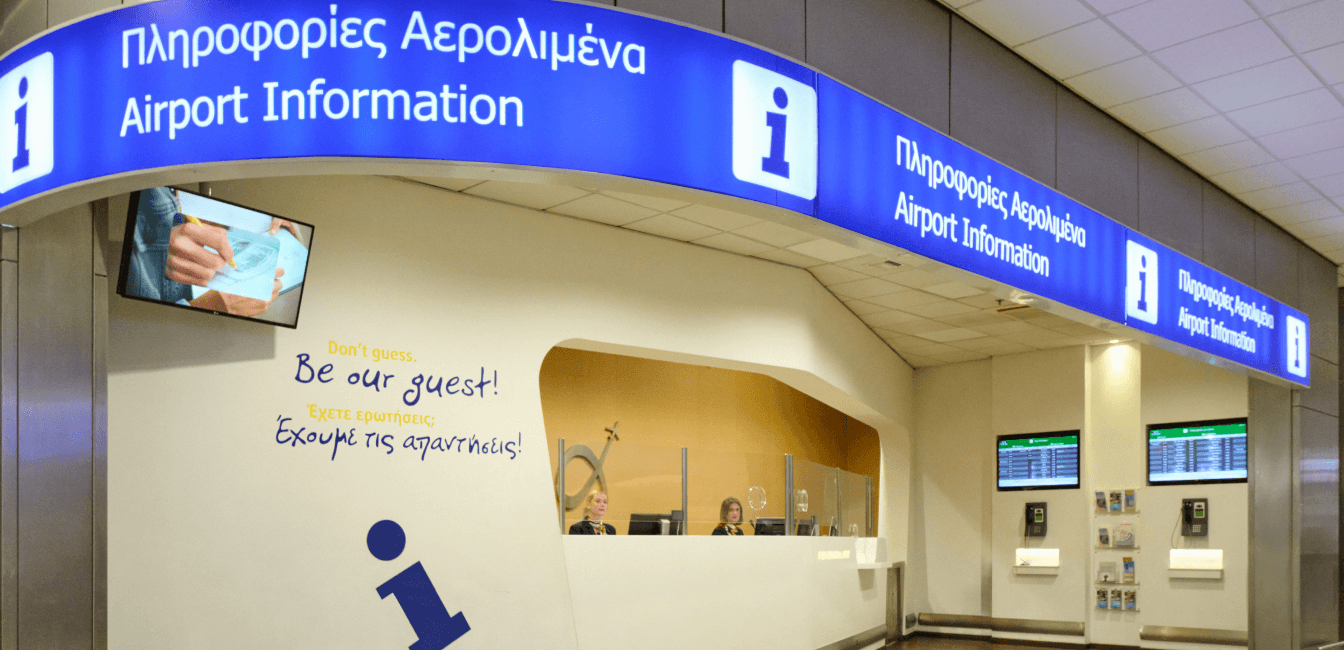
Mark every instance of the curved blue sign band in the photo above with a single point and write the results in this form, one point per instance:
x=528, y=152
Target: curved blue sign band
x=578, y=87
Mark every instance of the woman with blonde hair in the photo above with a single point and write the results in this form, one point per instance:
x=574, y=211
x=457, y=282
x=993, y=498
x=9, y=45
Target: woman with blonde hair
x=594, y=507
x=730, y=515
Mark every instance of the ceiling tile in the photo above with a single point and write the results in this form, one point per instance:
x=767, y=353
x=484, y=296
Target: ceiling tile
x=1328, y=62
x=941, y=309
x=1076, y=50
x=1319, y=105
x=652, y=202
x=979, y=317
x=1319, y=164
x=1258, y=85
x=1237, y=48
x=890, y=317
x=1163, y=23
x=1199, y=135
x=983, y=301
x=915, y=278
x=861, y=308
x=1163, y=110
x=1251, y=179
x=727, y=241
x=906, y=299
x=1318, y=228
x=1277, y=197
x=791, y=258
x=958, y=3
x=454, y=184
x=953, y=290
x=1311, y=26
x=1310, y=211
x=1328, y=243
x=1331, y=186
x=867, y=288
x=777, y=235
x=666, y=225
x=1228, y=158
x=825, y=249
x=1112, y=6
x=714, y=217
x=954, y=334
x=830, y=274
x=598, y=207
x=999, y=329
x=1018, y=21
x=1305, y=139
x=916, y=327
x=529, y=195
x=931, y=348
x=961, y=357
x=1268, y=7
x=1123, y=82
x=978, y=344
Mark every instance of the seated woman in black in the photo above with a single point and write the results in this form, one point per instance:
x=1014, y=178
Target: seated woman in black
x=593, y=509
x=730, y=515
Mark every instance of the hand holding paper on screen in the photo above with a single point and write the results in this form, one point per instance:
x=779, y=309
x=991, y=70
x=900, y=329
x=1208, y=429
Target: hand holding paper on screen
x=196, y=252
x=257, y=256
x=237, y=305
x=277, y=223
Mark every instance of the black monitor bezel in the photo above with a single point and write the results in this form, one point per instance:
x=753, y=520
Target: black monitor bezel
x=128, y=241
x=1039, y=434
x=1148, y=452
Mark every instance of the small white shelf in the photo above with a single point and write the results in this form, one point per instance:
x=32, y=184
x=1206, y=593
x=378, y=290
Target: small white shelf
x=1195, y=574
x=1123, y=611
x=1100, y=583
x=1036, y=570
x=1117, y=512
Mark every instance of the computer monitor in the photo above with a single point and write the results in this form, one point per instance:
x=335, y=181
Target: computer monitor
x=1206, y=451
x=655, y=524
x=769, y=525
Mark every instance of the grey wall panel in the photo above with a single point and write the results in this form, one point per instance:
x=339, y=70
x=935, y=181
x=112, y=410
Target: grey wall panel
x=702, y=13
x=1318, y=439
x=1001, y=105
x=894, y=50
x=1229, y=235
x=9, y=446
x=1270, y=589
x=780, y=25
x=1276, y=262
x=1317, y=295
x=1323, y=396
x=1170, y=202
x=55, y=469
x=20, y=20
x=1098, y=159
x=99, y=496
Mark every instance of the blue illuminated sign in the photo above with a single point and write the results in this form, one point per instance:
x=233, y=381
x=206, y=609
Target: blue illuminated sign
x=576, y=87
x=896, y=180
x=1181, y=300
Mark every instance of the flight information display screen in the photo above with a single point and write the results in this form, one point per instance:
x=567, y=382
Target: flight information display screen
x=1197, y=452
x=1038, y=461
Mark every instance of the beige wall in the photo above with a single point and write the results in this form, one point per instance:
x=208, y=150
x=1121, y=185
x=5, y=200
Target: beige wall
x=963, y=531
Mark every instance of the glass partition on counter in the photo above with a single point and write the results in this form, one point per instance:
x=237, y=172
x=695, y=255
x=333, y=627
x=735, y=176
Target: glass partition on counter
x=755, y=481
x=679, y=491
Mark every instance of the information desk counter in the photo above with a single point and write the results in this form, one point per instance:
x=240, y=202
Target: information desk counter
x=794, y=593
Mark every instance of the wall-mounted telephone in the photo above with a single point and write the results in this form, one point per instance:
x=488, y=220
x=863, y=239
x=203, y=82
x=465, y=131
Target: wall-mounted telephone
x=1036, y=519
x=1195, y=517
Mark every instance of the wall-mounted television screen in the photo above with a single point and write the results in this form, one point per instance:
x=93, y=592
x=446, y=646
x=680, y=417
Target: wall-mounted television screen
x=1039, y=461
x=197, y=252
x=1211, y=451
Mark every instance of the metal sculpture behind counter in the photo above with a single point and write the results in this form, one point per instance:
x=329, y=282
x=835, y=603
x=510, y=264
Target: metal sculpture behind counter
x=594, y=461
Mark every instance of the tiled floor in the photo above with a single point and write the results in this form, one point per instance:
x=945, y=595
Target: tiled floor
x=938, y=643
